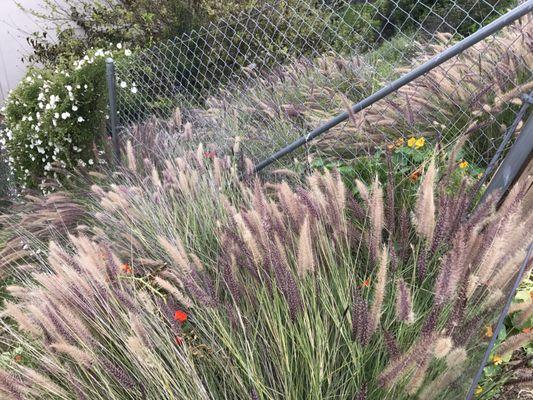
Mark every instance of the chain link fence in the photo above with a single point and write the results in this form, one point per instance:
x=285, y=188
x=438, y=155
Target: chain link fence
x=273, y=73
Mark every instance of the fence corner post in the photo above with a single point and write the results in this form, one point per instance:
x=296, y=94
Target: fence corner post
x=513, y=164
x=112, y=101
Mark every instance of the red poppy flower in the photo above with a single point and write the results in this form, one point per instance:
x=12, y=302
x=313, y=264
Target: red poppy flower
x=180, y=316
x=179, y=340
x=415, y=175
x=366, y=283
x=126, y=268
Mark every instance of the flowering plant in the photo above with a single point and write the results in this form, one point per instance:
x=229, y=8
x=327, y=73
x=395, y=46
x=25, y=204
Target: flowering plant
x=56, y=118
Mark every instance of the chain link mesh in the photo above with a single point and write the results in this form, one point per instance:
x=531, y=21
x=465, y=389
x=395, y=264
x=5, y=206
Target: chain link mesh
x=273, y=73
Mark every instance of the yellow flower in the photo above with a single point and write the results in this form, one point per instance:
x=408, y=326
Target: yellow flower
x=399, y=142
x=463, y=164
x=496, y=360
x=420, y=142
x=478, y=391
x=411, y=142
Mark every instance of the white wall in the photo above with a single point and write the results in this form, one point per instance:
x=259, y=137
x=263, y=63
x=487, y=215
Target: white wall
x=15, y=25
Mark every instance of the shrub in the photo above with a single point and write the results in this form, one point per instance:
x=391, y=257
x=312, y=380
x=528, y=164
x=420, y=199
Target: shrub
x=93, y=24
x=56, y=118
x=5, y=177
x=287, y=286
x=443, y=15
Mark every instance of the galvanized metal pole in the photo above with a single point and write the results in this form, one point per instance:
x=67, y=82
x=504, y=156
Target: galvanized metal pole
x=528, y=101
x=437, y=60
x=515, y=161
x=111, y=90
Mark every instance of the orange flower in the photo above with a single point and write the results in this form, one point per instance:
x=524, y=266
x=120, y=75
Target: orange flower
x=497, y=360
x=180, y=316
x=17, y=358
x=366, y=283
x=415, y=175
x=179, y=340
x=488, y=331
x=527, y=330
x=126, y=268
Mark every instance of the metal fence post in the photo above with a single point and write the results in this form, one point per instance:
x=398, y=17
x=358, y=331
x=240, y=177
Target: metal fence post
x=515, y=161
x=112, y=98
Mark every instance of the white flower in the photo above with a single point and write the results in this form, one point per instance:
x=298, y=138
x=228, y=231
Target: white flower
x=119, y=46
x=69, y=88
x=74, y=108
x=123, y=84
x=65, y=115
x=81, y=119
x=91, y=162
x=134, y=90
x=127, y=52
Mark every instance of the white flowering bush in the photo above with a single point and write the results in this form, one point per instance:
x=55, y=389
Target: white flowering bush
x=57, y=118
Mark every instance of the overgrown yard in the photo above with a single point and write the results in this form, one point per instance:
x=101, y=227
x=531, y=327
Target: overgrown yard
x=364, y=266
